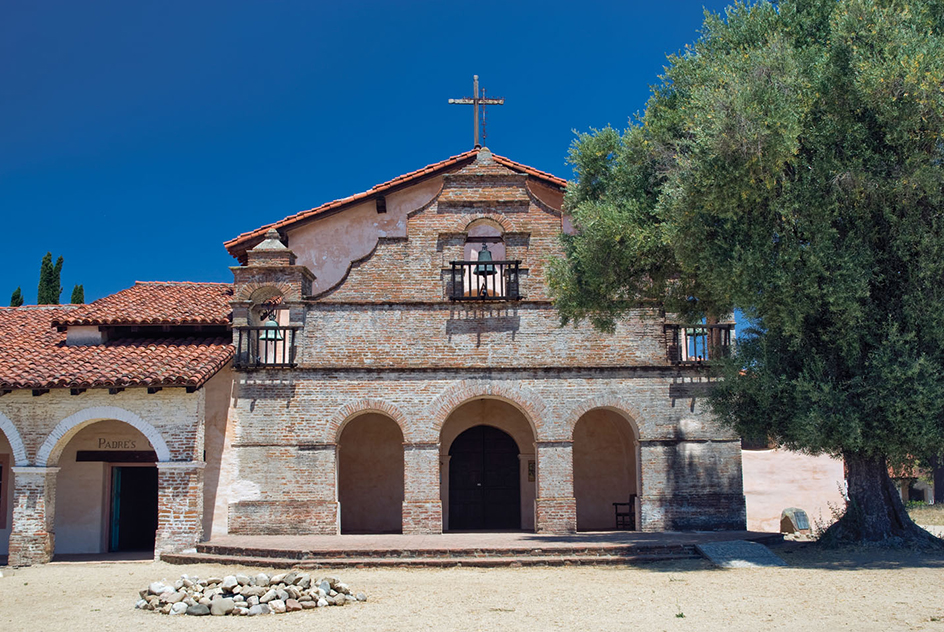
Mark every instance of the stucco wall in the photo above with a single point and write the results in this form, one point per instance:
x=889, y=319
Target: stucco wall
x=328, y=246
x=220, y=472
x=777, y=479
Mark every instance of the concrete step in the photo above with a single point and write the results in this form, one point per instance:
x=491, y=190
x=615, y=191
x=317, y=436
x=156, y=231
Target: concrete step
x=426, y=561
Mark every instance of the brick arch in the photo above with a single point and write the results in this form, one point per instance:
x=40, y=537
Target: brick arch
x=246, y=291
x=362, y=407
x=52, y=447
x=606, y=401
x=529, y=403
x=16, y=442
x=489, y=218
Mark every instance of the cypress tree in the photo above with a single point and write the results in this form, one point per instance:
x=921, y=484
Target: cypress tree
x=17, y=299
x=78, y=295
x=49, y=287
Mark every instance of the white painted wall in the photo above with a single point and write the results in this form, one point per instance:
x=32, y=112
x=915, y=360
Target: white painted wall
x=777, y=479
x=329, y=245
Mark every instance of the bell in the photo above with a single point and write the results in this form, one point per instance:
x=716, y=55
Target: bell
x=271, y=331
x=485, y=269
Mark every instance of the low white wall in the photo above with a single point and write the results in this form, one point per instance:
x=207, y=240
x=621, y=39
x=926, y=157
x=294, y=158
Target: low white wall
x=777, y=479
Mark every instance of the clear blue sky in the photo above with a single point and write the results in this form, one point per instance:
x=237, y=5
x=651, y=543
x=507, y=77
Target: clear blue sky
x=137, y=136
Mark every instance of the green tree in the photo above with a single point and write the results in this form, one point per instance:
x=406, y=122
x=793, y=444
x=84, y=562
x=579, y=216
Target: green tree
x=789, y=164
x=78, y=295
x=50, y=287
x=17, y=299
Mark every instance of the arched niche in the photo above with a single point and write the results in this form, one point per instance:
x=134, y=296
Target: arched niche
x=370, y=475
x=606, y=467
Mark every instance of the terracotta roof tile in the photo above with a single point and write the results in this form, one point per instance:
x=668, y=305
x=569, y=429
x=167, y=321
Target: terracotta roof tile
x=156, y=303
x=34, y=355
x=239, y=245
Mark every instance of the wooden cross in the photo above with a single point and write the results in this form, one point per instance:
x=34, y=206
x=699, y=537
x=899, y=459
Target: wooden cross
x=475, y=102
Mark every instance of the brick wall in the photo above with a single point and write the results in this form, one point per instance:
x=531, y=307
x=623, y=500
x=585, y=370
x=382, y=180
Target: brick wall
x=387, y=339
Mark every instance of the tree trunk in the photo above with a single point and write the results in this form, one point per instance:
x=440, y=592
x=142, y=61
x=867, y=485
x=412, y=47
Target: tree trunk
x=875, y=513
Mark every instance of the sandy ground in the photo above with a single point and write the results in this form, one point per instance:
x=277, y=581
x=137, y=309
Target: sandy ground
x=847, y=590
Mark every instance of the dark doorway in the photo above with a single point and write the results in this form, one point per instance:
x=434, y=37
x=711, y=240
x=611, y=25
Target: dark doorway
x=133, y=508
x=484, y=481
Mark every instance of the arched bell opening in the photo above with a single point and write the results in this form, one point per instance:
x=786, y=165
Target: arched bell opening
x=484, y=244
x=370, y=475
x=606, y=471
x=488, y=480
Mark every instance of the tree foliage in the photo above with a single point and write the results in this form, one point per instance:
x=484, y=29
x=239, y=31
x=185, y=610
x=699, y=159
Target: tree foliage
x=78, y=295
x=50, y=288
x=789, y=164
x=17, y=298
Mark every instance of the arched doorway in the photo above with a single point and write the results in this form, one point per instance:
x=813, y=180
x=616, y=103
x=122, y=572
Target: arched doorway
x=484, y=486
x=605, y=467
x=106, y=491
x=370, y=475
x=6, y=489
x=487, y=468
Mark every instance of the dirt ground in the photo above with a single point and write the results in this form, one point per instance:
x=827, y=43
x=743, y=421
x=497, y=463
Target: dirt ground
x=820, y=590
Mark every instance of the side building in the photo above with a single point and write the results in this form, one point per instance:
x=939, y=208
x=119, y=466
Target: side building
x=112, y=418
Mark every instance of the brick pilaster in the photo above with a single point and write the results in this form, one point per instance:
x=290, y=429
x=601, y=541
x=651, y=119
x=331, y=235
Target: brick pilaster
x=555, y=508
x=180, y=506
x=32, y=537
x=422, y=507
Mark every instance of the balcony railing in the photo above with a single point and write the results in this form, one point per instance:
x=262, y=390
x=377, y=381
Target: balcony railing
x=265, y=347
x=485, y=281
x=697, y=344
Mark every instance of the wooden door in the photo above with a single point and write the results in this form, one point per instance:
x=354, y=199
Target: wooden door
x=484, y=481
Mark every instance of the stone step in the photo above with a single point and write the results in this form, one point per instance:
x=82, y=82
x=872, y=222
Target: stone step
x=426, y=561
x=439, y=553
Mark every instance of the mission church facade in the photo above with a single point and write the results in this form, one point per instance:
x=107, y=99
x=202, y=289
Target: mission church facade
x=388, y=362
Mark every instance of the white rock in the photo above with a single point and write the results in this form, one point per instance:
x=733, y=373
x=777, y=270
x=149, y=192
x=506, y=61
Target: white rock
x=277, y=606
x=322, y=603
x=178, y=608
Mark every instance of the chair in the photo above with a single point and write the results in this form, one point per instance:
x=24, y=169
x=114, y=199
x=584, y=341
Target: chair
x=626, y=514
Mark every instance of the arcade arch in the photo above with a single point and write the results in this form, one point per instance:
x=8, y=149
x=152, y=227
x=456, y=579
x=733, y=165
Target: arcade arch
x=487, y=467
x=606, y=467
x=370, y=474
x=106, y=488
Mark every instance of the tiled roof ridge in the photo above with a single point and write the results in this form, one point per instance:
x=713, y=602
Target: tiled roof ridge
x=180, y=283
x=42, y=307
x=234, y=246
